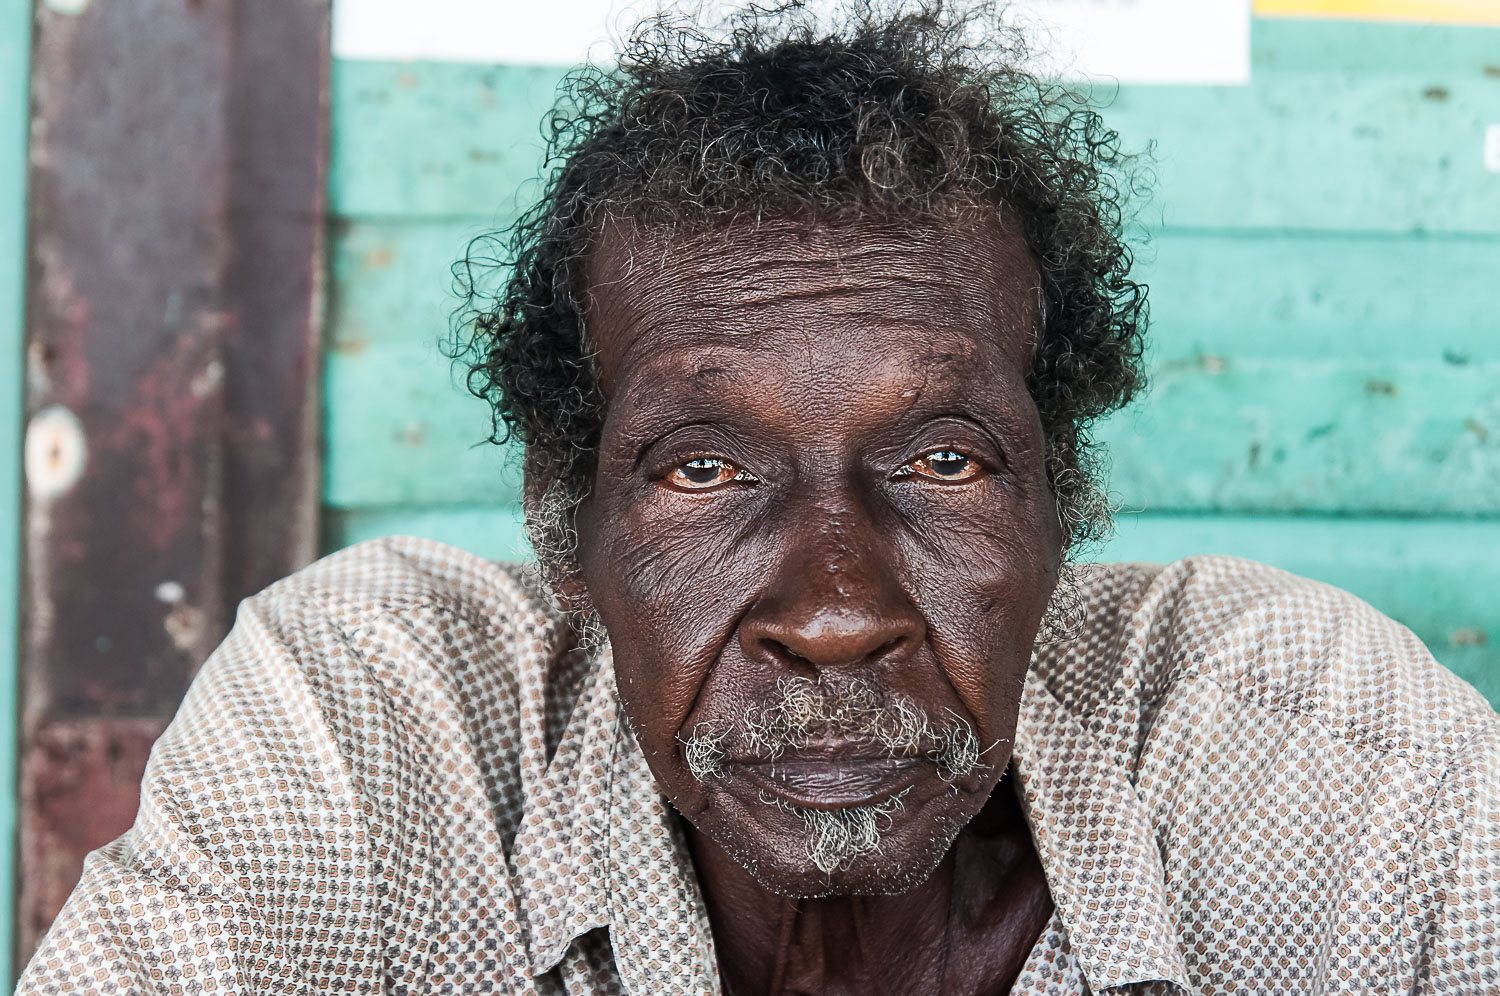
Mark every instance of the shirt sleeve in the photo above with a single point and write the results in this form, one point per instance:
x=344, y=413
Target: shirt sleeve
x=1456, y=882
x=246, y=870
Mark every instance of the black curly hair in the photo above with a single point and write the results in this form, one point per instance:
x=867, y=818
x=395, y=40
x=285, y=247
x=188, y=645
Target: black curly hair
x=917, y=112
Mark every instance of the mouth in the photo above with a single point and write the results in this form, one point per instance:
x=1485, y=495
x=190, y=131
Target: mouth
x=833, y=783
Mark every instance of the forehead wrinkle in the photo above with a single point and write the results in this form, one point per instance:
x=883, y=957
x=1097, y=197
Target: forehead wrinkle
x=731, y=374
x=846, y=280
x=725, y=278
x=843, y=294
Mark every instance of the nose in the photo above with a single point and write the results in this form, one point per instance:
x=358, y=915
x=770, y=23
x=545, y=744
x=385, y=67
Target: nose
x=835, y=602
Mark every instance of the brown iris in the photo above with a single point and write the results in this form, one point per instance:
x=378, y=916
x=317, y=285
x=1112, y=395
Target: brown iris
x=702, y=473
x=948, y=466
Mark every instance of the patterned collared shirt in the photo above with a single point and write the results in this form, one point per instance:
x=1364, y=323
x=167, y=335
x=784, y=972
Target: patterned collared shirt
x=390, y=778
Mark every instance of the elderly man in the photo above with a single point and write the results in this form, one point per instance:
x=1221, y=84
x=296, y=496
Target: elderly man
x=803, y=341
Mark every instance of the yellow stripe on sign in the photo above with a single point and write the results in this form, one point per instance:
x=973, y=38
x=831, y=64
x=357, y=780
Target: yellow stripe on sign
x=1431, y=11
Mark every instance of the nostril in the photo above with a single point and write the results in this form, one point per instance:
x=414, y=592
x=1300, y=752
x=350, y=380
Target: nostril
x=889, y=648
x=821, y=643
x=788, y=656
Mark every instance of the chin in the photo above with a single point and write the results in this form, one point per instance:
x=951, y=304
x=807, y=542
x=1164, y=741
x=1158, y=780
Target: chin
x=778, y=845
x=873, y=875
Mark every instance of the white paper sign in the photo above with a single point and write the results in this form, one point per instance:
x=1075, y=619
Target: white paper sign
x=1144, y=41
x=1133, y=41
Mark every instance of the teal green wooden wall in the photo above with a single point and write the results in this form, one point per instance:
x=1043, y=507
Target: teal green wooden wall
x=15, y=105
x=1323, y=252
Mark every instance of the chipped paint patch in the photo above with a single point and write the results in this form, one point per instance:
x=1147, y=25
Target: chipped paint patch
x=1468, y=637
x=80, y=787
x=170, y=592
x=208, y=379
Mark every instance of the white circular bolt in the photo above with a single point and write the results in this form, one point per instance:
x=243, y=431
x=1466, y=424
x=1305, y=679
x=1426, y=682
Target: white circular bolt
x=56, y=452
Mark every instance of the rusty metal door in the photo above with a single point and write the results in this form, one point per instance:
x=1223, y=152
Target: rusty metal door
x=175, y=264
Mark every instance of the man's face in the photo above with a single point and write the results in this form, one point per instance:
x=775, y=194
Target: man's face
x=820, y=536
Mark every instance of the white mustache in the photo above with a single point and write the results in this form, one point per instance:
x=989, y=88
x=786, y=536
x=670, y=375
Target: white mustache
x=802, y=710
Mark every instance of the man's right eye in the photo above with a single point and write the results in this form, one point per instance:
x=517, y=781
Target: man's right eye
x=704, y=473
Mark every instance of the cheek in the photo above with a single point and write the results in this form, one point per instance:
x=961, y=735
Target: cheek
x=984, y=582
x=670, y=582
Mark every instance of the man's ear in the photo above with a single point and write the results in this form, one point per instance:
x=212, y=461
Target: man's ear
x=551, y=528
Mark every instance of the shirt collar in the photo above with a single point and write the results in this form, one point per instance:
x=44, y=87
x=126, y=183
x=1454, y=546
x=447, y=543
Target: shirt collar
x=597, y=842
x=1094, y=836
x=597, y=835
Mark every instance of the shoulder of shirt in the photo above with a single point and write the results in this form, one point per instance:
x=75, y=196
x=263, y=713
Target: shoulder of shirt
x=390, y=578
x=401, y=569
x=1299, y=648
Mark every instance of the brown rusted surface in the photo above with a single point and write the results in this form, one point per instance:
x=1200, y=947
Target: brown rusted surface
x=177, y=165
x=83, y=781
x=278, y=125
x=128, y=245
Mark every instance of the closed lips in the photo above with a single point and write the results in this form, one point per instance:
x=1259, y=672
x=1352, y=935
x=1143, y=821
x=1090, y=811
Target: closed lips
x=834, y=783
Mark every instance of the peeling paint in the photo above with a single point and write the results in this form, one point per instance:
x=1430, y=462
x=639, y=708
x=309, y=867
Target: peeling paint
x=208, y=379
x=351, y=345
x=185, y=625
x=379, y=258
x=80, y=788
x=1468, y=637
x=412, y=434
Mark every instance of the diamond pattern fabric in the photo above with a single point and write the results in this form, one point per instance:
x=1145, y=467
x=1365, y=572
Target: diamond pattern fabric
x=393, y=778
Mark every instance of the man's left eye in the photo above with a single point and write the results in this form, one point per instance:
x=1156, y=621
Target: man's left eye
x=702, y=473
x=948, y=466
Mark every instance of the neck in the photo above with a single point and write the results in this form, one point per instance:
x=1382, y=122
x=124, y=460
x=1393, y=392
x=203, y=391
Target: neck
x=768, y=943
x=965, y=928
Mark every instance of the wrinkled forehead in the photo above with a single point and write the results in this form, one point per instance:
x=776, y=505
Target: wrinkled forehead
x=970, y=284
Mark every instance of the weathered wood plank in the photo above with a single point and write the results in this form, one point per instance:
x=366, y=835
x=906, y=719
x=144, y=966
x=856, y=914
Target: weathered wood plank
x=448, y=140
x=400, y=428
x=1372, y=438
x=1449, y=11
x=1435, y=576
x=1395, y=153
x=128, y=185
x=1265, y=352
x=398, y=423
x=435, y=139
x=1370, y=47
x=493, y=531
x=1321, y=296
